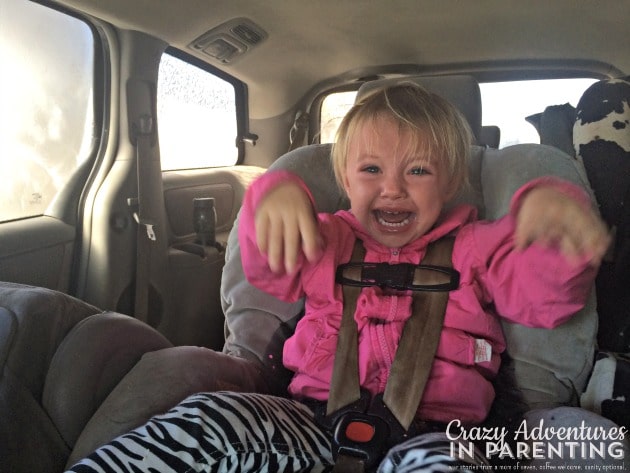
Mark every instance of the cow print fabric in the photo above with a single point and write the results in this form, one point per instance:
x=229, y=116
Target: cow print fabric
x=601, y=136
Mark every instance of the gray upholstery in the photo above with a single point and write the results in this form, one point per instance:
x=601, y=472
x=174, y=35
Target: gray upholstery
x=560, y=419
x=555, y=126
x=161, y=379
x=59, y=358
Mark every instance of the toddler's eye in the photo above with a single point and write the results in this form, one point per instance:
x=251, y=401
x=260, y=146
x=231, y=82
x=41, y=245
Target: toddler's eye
x=419, y=171
x=371, y=169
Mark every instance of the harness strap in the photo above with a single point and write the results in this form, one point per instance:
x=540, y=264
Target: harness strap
x=419, y=341
x=416, y=350
x=344, y=385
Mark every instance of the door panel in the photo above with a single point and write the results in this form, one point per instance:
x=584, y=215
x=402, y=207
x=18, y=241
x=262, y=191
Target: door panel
x=37, y=251
x=195, y=270
x=227, y=186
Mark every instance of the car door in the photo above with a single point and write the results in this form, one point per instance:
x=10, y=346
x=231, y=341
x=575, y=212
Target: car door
x=50, y=135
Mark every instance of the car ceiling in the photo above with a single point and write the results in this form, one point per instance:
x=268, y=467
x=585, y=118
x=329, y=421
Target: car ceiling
x=312, y=45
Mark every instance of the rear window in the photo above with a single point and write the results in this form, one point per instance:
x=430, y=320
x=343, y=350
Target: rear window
x=505, y=104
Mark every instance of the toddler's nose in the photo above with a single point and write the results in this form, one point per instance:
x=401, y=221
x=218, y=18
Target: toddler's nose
x=393, y=187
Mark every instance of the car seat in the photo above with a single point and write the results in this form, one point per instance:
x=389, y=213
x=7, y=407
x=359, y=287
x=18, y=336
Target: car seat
x=59, y=359
x=551, y=367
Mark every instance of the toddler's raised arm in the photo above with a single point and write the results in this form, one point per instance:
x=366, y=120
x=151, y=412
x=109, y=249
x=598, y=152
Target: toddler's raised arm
x=554, y=214
x=539, y=262
x=277, y=229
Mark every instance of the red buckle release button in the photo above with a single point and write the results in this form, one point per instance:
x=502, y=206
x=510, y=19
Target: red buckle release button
x=358, y=431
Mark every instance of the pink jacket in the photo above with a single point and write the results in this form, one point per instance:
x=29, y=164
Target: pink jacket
x=536, y=287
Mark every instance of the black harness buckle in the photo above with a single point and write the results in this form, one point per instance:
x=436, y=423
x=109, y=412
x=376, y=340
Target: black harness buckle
x=360, y=435
x=365, y=429
x=400, y=277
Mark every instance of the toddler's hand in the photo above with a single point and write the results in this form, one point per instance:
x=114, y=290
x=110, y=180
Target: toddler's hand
x=551, y=218
x=285, y=225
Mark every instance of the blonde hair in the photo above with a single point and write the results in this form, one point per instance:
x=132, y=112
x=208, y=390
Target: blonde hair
x=436, y=128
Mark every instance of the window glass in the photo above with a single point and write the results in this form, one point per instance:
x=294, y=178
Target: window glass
x=46, y=110
x=196, y=117
x=505, y=104
x=334, y=107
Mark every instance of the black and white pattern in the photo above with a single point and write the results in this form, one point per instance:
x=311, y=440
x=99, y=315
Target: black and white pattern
x=236, y=432
x=430, y=453
x=220, y=432
x=601, y=136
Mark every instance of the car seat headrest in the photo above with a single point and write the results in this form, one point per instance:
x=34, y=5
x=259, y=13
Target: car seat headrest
x=461, y=90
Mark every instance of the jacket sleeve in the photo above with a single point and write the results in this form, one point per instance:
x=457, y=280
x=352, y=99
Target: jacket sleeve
x=287, y=287
x=537, y=286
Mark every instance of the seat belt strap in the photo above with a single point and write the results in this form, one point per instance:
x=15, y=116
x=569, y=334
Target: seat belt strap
x=418, y=344
x=344, y=385
x=413, y=360
x=146, y=231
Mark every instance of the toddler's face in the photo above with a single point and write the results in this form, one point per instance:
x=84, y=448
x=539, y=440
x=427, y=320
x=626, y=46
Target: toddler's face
x=397, y=198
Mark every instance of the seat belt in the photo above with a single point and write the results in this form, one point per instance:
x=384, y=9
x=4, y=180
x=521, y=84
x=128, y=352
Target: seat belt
x=146, y=230
x=412, y=363
x=142, y=133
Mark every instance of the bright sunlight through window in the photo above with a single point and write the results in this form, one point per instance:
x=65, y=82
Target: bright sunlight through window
x=196, y=117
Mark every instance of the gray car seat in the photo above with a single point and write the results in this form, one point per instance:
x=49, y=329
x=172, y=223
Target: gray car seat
x=551, y=367
x=59, y=359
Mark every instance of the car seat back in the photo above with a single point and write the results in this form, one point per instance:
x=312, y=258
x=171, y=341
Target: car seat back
x=59, y=359
x=601, y=137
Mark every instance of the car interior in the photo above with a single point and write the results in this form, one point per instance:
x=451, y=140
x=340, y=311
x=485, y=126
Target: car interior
x=131, y=131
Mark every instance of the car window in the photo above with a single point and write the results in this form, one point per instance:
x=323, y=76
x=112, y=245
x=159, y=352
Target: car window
x=196, y=116
x=334, y=107
x=46, y=109
x=505, y=104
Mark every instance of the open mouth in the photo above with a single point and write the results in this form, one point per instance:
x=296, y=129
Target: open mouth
x=392, y=219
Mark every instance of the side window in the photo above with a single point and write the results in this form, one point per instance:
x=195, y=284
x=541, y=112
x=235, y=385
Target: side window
x=196, y=117
x=334, y=107
x=46, y=109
